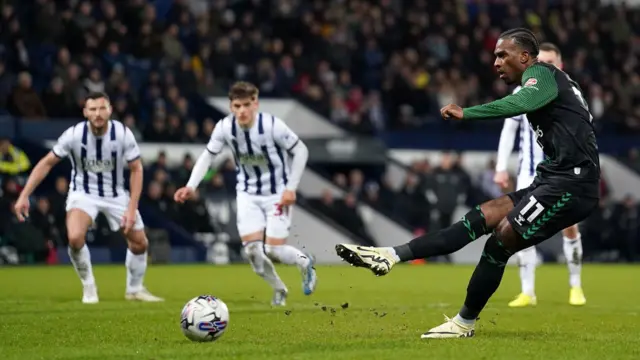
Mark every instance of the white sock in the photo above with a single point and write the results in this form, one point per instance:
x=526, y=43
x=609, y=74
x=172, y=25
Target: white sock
x=392, y=251
x=262, y=265
x=466, y=322
x=136, y=268
x=528, y=259
x=573, y=253
x=81, y=260
x=287, y=254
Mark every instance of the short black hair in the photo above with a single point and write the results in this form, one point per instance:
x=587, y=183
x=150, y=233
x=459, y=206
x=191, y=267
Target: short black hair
x=524, y=38
x=547, y=46
x=96, y=95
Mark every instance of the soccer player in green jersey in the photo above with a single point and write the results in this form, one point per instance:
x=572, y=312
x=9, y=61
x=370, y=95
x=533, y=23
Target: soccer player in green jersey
x=564, y=191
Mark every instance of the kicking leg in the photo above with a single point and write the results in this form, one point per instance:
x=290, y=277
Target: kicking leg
x=78, y=223
x=527, y=261
x=477, y=222
x=136, y=263
x=544, y=211
x=572, y=248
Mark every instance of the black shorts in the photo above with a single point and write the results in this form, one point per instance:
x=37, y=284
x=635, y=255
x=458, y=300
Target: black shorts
x=545, y=208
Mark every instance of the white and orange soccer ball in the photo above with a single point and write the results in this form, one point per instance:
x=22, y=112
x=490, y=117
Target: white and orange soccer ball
x=204, y=318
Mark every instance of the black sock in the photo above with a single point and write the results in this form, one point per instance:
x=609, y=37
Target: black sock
x=485, y=279
x=445, y=241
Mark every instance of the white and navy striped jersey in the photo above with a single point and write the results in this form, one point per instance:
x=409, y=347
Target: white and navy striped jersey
x=98, y=161
x=261, y=153
x=530, y=153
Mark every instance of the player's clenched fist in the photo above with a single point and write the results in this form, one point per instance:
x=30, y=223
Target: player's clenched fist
x=288, y=198
x=183, y=194
x=452, y=111
x=22, y=208
x=502, y=179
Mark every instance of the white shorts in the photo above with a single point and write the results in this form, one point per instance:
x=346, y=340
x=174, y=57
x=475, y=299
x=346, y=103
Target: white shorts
x=259, y=212
x=112, y=208
x=524, y=181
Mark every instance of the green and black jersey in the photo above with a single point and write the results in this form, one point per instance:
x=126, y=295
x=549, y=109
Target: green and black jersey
x=560, y=118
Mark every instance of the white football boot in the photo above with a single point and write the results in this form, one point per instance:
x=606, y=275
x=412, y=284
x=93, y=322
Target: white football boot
x=378, y=260
x=143, y=295
x=90, y=294
x=450, y=329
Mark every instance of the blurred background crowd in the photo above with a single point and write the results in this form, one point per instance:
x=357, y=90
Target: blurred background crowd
x=369, y=66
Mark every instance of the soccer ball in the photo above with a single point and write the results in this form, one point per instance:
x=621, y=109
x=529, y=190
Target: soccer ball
x=204, y=318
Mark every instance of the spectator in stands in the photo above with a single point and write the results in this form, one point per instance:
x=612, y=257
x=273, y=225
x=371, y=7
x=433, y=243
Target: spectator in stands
x=195, y=217
x=45, y=220
x=13, y=161
x=56, y=101
x=327, y=204
x=349, y=217
x=156, y=198
x=57, y=200
x=6, y=84
x=411, y=203
x=160, y=163
x=23, y=236
x=24, y=101
x=183, y=173
x=449, y=188
x=633, y=159
x=626, y=216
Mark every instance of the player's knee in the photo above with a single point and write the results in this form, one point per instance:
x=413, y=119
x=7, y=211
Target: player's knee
x=270, y=250
x=494, y=211
x=76, y=238
x=138, y=248
x=255, y=252
x=571, y=232
x=527, y=256
x=507, y=236
x=137, y=242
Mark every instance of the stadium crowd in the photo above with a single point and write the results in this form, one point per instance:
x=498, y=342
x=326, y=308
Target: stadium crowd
x=368, y=66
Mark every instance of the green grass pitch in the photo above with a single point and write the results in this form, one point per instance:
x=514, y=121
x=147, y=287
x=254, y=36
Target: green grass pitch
x=42, y=317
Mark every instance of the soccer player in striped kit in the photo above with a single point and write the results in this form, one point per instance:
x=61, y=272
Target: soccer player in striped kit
x=99, y=149
x=530, y=155
x=266, y=185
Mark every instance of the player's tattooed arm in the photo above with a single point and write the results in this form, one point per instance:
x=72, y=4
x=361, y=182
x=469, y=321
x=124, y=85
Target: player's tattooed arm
x=539, y=88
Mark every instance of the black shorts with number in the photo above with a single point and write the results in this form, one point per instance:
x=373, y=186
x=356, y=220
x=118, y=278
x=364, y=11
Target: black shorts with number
x=545, y=208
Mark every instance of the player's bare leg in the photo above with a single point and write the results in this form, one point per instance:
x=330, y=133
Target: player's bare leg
x=477, y=222
x=136, y=263
x=78, y=223
x=278, y=250
x=263, y=266
x=572, y=248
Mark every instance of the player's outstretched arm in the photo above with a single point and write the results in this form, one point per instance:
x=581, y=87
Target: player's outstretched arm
x=539, y=88
x=202, y=165
x=505, y=147
x=198, y=173
x=39, y=172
